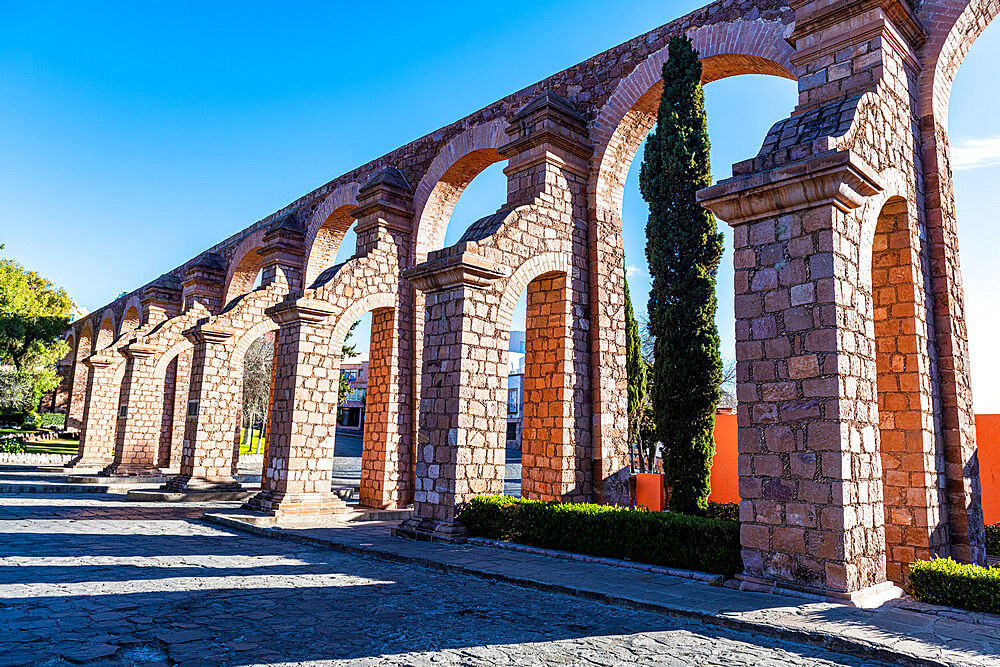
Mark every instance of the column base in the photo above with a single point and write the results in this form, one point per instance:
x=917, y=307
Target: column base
x=192, y=484
x=866, y=598
x=280, y=504
x=132, y=470
x=431, y=530
x=82, y=462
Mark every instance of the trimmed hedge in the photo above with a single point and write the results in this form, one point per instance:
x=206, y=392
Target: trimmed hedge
x=993, y=539
x=946, y=582
x=43, y=419
x=656, y=538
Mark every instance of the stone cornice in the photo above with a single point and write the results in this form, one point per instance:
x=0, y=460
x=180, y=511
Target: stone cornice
x=467, y=269
x=140, y=351
x=301, y=311
x=836, y=178
x=212, y=334
x=99, y=361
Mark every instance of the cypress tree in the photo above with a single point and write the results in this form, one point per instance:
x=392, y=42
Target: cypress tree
x=683, y=247
x=635, y=368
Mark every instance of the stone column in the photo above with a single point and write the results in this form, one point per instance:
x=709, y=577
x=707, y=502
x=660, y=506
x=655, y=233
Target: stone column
x=182, y=389
x=78, y=383
x=138, y=431
x=384, y=481
x=283, y=253
x=810, y=473
x=548, y=470
x=461, y=451
x=298, y=463
x=100, y=413
x=211, y=430
x=385, y=220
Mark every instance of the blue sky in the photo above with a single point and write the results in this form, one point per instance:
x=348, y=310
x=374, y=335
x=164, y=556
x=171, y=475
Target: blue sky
x=135, y=136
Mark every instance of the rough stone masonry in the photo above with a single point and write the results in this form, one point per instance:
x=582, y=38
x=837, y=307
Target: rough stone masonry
x=856, y=440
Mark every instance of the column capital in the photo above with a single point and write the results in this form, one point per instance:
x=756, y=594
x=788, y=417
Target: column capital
x=211, y=334
x=301, y=311
x=99, y=361
x=835, y=178
x=467, y=268
x=140, y=351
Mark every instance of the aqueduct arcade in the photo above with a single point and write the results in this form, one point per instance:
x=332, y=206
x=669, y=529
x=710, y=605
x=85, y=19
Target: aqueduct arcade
x=856, y=440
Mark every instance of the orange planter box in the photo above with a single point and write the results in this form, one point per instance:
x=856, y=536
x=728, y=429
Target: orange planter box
x=650, y=491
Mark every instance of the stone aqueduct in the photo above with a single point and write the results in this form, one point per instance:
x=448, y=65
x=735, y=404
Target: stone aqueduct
x=856, y=440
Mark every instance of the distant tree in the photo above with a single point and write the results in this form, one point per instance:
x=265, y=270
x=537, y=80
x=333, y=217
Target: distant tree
x=346, y=385
x=684, y=248
x=34, y=315
x=257, y=365
x=641, y=434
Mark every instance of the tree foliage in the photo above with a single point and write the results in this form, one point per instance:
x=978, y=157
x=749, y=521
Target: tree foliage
x=683, y=248
x=641, y=431
x=33, y=317
x=346, y=385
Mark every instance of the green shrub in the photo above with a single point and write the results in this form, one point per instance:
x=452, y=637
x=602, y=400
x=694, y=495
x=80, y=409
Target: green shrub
x=727, y=511
x=946, y=582
x=993, y=539
x=12, y=446
x=43, y=419
x=656, y=538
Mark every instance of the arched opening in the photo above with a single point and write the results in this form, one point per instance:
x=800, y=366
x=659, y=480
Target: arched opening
x=258, y=375
x=246, y=275
x=106, y=334
x=78, y=390
x=331, y=244
x=743, y=97
x=130, y=321
x=173, y=373
x=961, y=215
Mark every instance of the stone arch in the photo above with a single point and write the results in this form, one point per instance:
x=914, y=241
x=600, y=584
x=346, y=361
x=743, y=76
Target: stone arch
x=453, y=168
x=352, y=313
x=326, y=229
x=244, y=264
x=537, y=266
x=970, y=19
x=621, y=125
x=106, y=332
x=132, y=317
x=247, y=338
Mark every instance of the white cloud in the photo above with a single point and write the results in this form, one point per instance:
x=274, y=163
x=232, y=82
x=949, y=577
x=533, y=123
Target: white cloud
x=631, y=270
x=968, y=153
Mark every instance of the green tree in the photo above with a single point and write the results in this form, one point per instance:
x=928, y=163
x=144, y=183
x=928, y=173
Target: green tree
x=346, y=384
x=33, y=317
x=683, y=247
x=641, y=439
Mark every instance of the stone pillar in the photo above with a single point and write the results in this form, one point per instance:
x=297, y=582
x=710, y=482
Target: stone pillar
x=211, y=430
x=141, y=413
x=161, y=300
x=385, y=219
x=78, y=386
x=385, y=479
x=915, y=507
x=548, y=465
x=298, y=463
x=810, y=473
x=461, y=451
x=100, y=413
x=283, y=253
x=204, y=283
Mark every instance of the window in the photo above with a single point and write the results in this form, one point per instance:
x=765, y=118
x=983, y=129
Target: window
x=123, y=411
x=511, y=431
x=513, y=401
x=192, y=408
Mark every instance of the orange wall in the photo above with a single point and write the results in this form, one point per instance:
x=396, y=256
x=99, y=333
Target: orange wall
x=988, y=441
x=725, y=480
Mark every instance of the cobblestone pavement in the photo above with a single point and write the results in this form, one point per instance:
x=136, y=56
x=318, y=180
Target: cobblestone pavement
x=94, y=580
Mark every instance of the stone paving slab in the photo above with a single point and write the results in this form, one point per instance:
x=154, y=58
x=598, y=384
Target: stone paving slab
x=900, y=632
